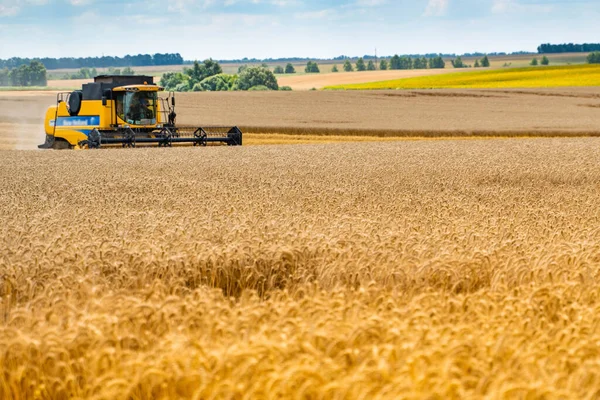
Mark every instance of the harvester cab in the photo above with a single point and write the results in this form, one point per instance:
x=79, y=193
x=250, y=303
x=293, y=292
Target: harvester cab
x=126, y=111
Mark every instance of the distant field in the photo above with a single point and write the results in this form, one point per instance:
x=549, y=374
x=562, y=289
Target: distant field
x=531, y=77
x=306, y=115
x=319, y=81
x=303, y=81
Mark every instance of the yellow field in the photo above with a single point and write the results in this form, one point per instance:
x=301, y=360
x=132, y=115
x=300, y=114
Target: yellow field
x=415, y=269
x=532, y=77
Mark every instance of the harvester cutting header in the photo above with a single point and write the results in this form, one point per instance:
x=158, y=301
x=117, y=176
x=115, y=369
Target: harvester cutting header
x=126, y=111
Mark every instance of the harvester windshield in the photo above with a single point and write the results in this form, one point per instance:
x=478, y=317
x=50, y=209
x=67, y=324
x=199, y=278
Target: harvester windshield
x=137, y=108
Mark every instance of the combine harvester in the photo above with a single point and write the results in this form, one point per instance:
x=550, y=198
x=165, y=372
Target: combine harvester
x=126, y=111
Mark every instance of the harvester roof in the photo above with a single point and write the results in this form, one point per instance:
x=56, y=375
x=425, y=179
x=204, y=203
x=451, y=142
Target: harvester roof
x=125, y=80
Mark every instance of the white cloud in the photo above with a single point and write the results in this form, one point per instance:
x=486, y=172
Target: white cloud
x=183, y=5
x=436, y=8
x=506, y=6
x=9, y=8
x=370, y=3
x=80, y=2
x=8, y=11
x=321, y=14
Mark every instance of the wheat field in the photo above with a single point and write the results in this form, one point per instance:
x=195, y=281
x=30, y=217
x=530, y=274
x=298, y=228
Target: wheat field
x=529, y=77
x=424, y=269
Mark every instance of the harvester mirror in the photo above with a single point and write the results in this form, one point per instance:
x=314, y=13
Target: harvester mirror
x=104, y=100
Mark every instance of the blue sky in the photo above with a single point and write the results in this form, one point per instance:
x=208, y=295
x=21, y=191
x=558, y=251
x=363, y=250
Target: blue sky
x=225, y=29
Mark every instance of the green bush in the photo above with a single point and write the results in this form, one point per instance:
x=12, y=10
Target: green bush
x=285, y=88
x=545, y=61
x=534, y=62
x=594, y=57
x=256, y=76
x=278, y=70
x=289, y=69
x=458, y=63
x=383, y=65
x=170, y=80
x=182, y=87
x=218, y=83
x=312, y=68
x=335, y=69
x=348, y=66
x=371, y=66
x=485, y=61
x=259, y=88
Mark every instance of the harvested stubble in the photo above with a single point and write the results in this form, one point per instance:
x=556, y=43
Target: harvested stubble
x=454, y=269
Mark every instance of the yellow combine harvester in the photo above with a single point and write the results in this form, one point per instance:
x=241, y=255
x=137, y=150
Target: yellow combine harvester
x=126, y=111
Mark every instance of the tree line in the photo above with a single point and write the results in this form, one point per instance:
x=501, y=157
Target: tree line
x=140, y=60
x=395, y=62
x=568, y=48
x=33, y=74
x=209, y=76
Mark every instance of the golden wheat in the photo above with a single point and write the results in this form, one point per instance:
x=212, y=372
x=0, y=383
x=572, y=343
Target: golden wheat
x=425, y=269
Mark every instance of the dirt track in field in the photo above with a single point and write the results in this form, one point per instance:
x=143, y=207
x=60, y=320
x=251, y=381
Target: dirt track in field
x=537, y=112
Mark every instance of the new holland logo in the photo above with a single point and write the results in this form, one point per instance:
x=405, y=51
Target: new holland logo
x=92, y=120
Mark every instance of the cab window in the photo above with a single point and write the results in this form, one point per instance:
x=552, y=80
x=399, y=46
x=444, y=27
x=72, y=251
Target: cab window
x=137, y=108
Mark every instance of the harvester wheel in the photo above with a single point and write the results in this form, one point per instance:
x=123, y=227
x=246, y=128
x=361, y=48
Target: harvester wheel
x=61, y=144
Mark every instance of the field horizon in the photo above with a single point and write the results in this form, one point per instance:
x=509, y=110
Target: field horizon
x=514, y=78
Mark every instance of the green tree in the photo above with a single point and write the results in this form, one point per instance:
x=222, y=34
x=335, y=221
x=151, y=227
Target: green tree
x=406, y=62
x=360, y=65
x=420, y=63
x=278, y=70
x=289, y=69
x=37, y=74
x=334, y=69
x=477, y=65
x=20, y=76
x=534, y=62
x=199, y=72
x=93, y=73
x=216, y=83
x=458, y=63
x=128, y=71
x=348, y=66
x=383, y=65
x=395, y=62
x=241, y=68
x=485, y=61
x=4, y=77
x=311, y=68
x=171, y=80
x=594, y=57
x=256, y=76
x=371, y=66
x=545, y=61
x=437, y=62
